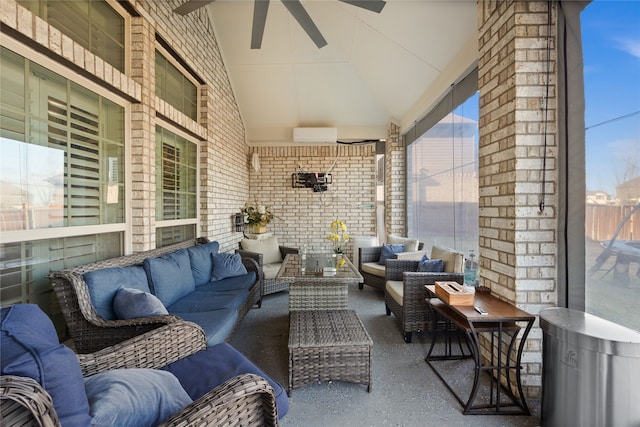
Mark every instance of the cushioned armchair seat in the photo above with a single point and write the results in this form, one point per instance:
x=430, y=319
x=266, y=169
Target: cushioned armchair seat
x=167, y=376
x=269, y=256
x=369, y=264
x=405, y=292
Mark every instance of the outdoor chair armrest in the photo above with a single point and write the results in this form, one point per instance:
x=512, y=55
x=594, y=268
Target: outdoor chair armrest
x=395, y=267
x=26, y=403
x=369, y=254
x=286, y=250
x=246, y=397
x=154, y=349
x=256, y=256
x=251, y=264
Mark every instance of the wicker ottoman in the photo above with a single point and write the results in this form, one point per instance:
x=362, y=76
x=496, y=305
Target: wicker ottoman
x=328, y=345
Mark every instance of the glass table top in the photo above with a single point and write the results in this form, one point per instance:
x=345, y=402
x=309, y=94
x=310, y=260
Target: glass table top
x=314, y=265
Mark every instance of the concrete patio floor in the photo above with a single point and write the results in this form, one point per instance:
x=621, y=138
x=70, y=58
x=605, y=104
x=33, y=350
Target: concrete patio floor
x=405, y=390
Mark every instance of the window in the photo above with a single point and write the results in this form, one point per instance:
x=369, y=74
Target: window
x=95, y=25
x=176, y=186
x=62, y=147
x=24, y=266
x=166, y=236
x=442, y=173
x=62, y=151
x=612, y=148
x=175, y=88
x=61, y=176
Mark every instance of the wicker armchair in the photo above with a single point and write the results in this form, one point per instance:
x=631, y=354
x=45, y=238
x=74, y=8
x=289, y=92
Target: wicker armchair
x=247, y=397
x=414, y=314
x=270, y=285
x=372, y=254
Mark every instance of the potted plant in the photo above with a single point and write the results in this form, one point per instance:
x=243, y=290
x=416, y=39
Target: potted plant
x=339, y=238
x=257, y=216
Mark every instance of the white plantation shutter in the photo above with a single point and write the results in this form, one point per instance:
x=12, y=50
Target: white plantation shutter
x=76, y=134
x=176, y=170
x=176, y=188
x=170, y=182
x=76, y=131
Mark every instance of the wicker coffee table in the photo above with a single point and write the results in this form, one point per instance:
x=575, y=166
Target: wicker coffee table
x=311, y=290
x=328, y=345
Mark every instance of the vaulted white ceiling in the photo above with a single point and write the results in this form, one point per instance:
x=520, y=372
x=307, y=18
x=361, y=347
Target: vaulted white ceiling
x=375, y=69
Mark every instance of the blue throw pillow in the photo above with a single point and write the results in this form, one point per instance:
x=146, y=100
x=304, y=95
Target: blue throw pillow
x=104, y=283
x=388, y=251
x=431, y=265
x=132, y=303
x=201, y=262
x=207, y=369
x=134, y=397
x=170, y=276
x=227, y=265
x=30, y=348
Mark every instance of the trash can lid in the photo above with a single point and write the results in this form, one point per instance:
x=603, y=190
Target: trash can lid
x=590, y=332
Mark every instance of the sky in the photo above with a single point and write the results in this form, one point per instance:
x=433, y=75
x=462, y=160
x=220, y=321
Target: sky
x=611, y=49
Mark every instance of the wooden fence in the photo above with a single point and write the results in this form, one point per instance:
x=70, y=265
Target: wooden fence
x=602, y=222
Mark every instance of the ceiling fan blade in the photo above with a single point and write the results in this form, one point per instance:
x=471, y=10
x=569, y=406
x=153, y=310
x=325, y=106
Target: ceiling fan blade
x=372, y=5
x=260, y=8
x=300, y=14
x=190, y=6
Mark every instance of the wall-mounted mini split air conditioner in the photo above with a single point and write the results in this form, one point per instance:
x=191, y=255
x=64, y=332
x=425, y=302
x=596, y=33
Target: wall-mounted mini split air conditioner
x=315, y=135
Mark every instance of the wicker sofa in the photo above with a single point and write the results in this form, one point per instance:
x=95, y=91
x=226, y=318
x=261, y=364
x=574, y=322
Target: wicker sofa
x=405, y=293
x=86, y=294
x=44, y=383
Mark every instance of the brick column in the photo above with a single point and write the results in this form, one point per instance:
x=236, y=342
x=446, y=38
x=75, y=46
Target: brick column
x=395, y=183
x=142, y=154
x=517, y=239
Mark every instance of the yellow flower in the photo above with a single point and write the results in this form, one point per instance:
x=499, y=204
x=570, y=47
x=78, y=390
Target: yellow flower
x=338, y=235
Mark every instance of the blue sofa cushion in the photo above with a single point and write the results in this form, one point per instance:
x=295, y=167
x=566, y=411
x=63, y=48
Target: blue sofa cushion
x=245, y=281
x=130, y=303
x=209, y=368
x=207, y=298
x=134, y=397
x=104, y=283
x=388, y=251
x=201, y=262
x=30, y=348
x=431, y=265
x=170, y=276
x=227, y=265
x=216, y=324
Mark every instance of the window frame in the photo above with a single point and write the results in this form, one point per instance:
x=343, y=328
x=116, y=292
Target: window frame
x=80, y=230
x=126, y=37
x=465, y=88
x=167, y=125
x=170, y=57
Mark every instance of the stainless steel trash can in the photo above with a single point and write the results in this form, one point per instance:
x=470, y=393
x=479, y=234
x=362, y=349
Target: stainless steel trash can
x=590, y=372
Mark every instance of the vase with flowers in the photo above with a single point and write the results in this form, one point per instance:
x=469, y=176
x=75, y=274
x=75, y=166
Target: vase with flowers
x=257, y=216
x=338, y=237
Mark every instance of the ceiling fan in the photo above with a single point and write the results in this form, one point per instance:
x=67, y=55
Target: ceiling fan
x=294, y=7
